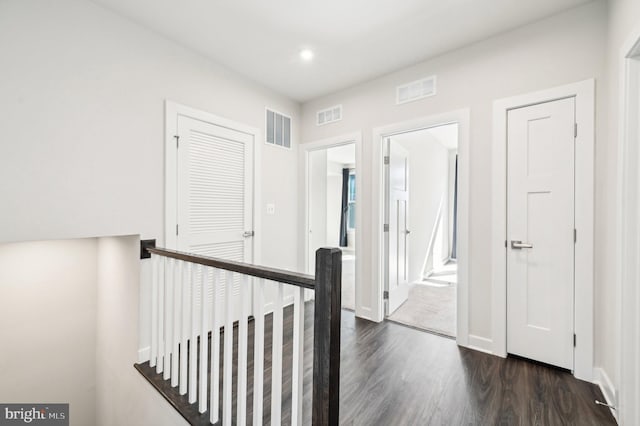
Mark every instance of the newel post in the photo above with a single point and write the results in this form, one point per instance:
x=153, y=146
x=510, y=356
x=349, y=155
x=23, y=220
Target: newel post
x=326, y=337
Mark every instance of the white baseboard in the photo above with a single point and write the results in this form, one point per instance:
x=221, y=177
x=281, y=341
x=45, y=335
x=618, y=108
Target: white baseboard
x=144, y=354
x=601, y=378
x=481, y=344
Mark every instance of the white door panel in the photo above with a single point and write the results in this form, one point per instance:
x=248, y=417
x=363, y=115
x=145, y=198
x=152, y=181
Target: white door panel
x=540, y=230
x=317, y=206
x=215, y=196
x=397, y=217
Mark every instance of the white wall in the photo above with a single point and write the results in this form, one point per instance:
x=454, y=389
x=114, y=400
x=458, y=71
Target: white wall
x=623, y=20
x=48, y=325
x=82, y=115
x=562, y=49
x=334, y=202
x=317, y=203
x=123, y=397
x=428, y=189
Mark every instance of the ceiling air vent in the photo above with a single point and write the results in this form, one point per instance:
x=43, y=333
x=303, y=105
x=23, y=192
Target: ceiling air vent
x=415, y=90
x=329, y=115
x=278, y=129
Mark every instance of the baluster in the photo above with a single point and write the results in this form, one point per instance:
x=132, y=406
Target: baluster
x=168, y=319
x=276, y=357
x=154, y=310
x=204, y=343
x=242, y=351
x=176, y=334
x=193, y=344
x=161, y=285
x=227, y=362
x=186, y=280
x=258, y=353
x=297, y=378
x=214, y=414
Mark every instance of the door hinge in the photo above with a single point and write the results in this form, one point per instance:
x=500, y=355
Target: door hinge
x=575, y=235
x=506, y=244
x=177, y=141
x=176, y=229
x=386, y=159
x=385, y=295
x=385, y=227
x=574, y=340
x=575, y=130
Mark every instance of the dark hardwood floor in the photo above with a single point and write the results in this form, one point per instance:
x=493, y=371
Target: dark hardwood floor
x=396, y=375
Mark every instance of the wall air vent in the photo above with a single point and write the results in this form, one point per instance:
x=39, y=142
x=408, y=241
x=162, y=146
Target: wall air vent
x=415, y=90
x=329, y=115
x=278, y=129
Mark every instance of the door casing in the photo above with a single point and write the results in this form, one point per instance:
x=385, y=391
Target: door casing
x=584, y=92
x=323, y=144
x=462, y=117
x=628, y=233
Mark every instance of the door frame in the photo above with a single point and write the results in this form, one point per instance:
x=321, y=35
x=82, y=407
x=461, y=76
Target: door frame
x=462, y=117
x=628, y=236
x=305, y=148
x=584, y=93
x=172, y=111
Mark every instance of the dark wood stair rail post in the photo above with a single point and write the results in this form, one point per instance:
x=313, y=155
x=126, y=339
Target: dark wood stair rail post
x=326, y=337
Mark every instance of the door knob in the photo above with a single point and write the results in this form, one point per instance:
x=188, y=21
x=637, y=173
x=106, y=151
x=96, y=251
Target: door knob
x=248, y=234
x=519, y=245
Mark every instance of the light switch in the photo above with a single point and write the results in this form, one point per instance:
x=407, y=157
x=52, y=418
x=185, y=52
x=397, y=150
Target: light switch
x=271, y=209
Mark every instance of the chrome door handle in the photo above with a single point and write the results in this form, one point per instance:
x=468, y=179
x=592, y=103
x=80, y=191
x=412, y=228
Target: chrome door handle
x=520, y=245
x=248, y=234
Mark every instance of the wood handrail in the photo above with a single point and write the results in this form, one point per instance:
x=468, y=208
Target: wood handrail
x=287, y=277
x=326, y=284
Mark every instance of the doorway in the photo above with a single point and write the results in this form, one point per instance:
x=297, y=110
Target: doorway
x=332, y=187
x=420, y=210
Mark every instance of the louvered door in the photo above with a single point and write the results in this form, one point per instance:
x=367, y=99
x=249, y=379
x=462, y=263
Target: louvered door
x=215, y=196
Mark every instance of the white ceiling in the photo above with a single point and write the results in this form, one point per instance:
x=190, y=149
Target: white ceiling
x=446, y=135
x=353, y=41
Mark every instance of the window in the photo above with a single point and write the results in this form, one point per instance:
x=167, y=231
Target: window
x=278, y=129
x=351, y=212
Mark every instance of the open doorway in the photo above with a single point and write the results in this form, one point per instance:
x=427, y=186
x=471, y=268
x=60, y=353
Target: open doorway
x=331, y=210
x=421, y=197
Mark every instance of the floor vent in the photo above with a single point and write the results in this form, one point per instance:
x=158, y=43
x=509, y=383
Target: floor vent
x=415, y=90
x=329, y=115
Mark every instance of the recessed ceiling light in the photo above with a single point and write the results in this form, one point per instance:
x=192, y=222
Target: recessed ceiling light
x=306, y=54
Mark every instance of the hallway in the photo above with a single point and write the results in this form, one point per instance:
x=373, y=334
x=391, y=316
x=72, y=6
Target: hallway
x=395, y=375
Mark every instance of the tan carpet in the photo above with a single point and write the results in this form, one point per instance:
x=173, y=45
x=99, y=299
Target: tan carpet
x=429, y=307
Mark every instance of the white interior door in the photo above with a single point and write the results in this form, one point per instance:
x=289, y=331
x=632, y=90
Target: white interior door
x=215, y=196
x=317, y=198
x=540, y=230
x=397, y=213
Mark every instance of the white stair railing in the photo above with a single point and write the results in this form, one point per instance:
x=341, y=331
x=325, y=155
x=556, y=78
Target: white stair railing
x=185, y=324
